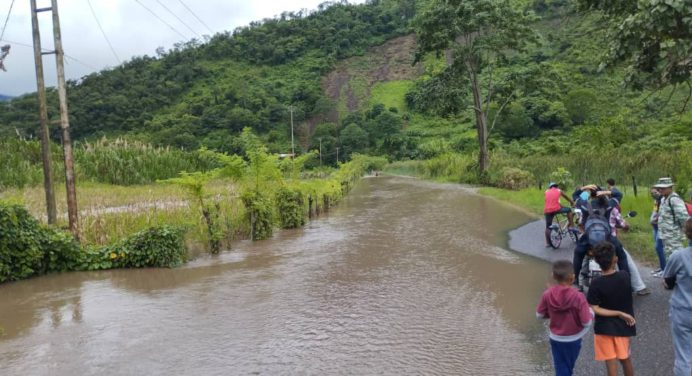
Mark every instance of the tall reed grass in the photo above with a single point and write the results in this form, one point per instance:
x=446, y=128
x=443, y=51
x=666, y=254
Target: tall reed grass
x=118, y=162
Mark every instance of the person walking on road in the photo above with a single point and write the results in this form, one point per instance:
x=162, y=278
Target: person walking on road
x=672, y=215
x=678, y=276
x=570, y=318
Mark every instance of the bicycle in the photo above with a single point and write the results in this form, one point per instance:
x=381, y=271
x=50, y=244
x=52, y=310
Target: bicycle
x=560, y=228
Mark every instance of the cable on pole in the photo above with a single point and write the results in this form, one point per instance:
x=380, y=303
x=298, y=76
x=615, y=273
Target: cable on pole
x=103, y=32
x=2, y=34
x=195, y=15
x=177, y=18
x=160, y=19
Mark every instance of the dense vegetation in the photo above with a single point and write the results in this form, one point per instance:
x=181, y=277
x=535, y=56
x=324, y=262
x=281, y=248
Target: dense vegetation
x=28, y=248
x=206, y=93
x=218, y=113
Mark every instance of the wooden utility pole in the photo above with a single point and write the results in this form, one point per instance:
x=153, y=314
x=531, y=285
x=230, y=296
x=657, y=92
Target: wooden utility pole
x=337, y=155
x=320, y=151
x=43, y=119
x=65, y=126
x=72, y=213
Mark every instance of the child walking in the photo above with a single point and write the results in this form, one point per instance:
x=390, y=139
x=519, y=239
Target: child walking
x=570, y=317
x=610, y=298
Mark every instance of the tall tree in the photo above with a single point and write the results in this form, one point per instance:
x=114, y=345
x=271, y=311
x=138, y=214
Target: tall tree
x=654, y=36
x=478, y=34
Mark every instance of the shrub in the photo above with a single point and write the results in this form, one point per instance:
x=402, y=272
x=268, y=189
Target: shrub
x=291, y=206
x=562, y=177
x=28, y=248
x=161, y=246
x=515, y=179
x=260, y=214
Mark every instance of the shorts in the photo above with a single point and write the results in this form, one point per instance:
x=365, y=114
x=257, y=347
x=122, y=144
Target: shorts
x=611, y=347
x=549, y=216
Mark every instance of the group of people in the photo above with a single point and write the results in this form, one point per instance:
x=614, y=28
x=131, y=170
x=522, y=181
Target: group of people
x=608, y=305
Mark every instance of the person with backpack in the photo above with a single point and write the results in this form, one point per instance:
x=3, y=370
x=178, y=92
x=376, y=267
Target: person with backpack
x=596, y=230
x=672, y=214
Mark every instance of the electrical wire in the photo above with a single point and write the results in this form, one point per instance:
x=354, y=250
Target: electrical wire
x=177, y=18
x=160, y=19
x=198, y=19
x=7, y=20
x=103, y=32
x=47, y=50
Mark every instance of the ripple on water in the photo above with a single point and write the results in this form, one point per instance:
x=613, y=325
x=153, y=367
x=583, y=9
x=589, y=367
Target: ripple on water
x=404, y=277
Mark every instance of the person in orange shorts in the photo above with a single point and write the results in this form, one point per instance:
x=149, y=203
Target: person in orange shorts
x=610, y=298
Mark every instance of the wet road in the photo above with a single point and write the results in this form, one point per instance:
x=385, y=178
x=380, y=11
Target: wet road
x=652, y=348
x=404, y=277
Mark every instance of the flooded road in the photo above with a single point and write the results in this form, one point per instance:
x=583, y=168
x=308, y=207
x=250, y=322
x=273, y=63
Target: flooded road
x=403, y=277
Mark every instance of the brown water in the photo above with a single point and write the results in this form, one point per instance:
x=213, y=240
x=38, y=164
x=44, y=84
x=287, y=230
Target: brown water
x=404, y=277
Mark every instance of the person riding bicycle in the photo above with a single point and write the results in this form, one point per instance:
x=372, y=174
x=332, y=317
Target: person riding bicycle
x=552, y=207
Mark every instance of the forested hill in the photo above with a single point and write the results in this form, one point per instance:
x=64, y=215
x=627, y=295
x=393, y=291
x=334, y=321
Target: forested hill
x=203, y=93
x=4, y=97
x=346, y=72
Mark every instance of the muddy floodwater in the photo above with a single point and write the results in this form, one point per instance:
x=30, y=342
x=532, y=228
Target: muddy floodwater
x=404, y=277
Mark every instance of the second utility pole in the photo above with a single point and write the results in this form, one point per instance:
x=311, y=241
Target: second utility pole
x=72, y=213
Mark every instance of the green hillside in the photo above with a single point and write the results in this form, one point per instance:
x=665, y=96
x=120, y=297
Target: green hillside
x=348, y=71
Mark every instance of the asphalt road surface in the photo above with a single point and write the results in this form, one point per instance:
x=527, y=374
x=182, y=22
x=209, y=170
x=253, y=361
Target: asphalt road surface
x=652, y=348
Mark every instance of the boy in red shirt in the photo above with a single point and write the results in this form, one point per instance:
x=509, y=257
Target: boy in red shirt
x=570, y=317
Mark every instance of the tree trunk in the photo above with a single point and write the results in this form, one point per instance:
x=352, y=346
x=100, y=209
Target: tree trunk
x=481, y=125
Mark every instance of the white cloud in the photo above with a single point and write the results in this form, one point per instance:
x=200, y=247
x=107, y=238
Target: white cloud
x=131, y=29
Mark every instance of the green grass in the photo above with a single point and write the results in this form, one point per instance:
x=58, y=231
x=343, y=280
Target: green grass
x=391, y=94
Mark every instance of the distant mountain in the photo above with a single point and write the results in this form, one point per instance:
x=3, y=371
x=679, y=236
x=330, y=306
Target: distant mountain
x=4, y=98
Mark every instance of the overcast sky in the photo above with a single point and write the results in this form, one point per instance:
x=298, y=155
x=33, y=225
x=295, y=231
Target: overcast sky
x=131, y=29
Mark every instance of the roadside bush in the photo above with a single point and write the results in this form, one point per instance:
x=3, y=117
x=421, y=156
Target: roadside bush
x=28, y=248
x=291, y=206
x=161, y=246
x=260, y=213
x=61, y=252
x=515, y=179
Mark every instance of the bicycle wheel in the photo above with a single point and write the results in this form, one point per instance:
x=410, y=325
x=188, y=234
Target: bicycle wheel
x=555, y=238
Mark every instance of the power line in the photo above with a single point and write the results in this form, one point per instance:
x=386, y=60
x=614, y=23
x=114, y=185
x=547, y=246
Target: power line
x=6, y=20
x=103, y=32
x=161, y=19
x=177, y=18
x=47, y=50
x=198, y=19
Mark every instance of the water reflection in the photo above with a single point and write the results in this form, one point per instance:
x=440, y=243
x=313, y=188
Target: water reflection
x=404, y=277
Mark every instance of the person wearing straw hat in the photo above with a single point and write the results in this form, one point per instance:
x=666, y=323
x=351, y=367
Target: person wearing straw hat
x=672, y=215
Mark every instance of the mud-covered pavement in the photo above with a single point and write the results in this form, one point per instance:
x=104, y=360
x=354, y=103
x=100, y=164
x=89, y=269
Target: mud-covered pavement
x=652, y=348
